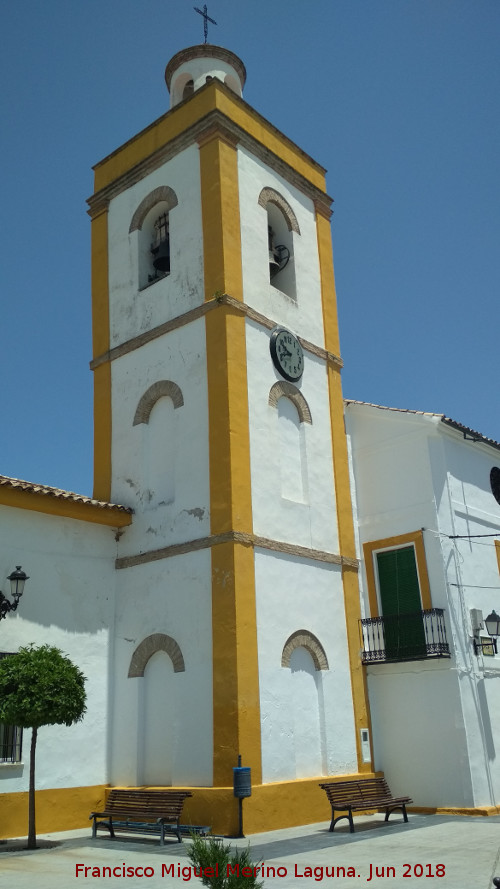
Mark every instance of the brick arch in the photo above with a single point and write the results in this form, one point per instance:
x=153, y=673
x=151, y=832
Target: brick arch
x=162, y=193
x=271, y=196
x=305, y=639
x=151, y=396
x=282, y=389
x=148, y=647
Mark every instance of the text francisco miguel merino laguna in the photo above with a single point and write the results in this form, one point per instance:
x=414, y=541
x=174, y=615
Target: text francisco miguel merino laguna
x=261, y=870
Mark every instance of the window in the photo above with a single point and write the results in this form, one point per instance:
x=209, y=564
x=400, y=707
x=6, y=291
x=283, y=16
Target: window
x=160, y=248
x=495, y=483
x=282, y=225
x=10, y=743
x=10, y=736
x=150, y=229
x=188, y=90
x=403, y=625
x=280, y=244
x=400, y=601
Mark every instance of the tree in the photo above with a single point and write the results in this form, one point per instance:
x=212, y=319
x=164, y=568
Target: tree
x=39, y=686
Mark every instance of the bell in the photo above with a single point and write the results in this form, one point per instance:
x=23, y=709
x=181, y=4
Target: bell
x=274, y=265
x=274, y=261
x=161, y=254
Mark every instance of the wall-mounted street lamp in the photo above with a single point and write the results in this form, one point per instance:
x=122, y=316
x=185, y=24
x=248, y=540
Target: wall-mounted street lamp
x=492, y=624
x=17, y=580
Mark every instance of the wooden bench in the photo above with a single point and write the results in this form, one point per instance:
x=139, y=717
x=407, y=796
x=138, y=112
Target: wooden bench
x=362, y=794
x=141, y=811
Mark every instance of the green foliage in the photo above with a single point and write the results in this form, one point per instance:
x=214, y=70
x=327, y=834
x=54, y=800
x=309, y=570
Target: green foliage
x=40, y=686
x=210, y=852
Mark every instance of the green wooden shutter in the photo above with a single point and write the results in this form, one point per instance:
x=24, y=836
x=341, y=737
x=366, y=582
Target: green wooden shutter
x=401, y=604
x=398, y=581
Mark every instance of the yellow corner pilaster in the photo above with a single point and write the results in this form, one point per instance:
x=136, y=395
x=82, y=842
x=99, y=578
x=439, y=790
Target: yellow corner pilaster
x=221, y=215
x=102, y=374
x=347, y=545
x=236, y=709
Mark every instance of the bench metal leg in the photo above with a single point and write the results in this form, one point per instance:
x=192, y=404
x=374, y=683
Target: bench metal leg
x=389, y=811
x=339, y=818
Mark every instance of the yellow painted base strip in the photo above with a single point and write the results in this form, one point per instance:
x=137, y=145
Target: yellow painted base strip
x=65, y=808
x=485, y=811
x=271, y=807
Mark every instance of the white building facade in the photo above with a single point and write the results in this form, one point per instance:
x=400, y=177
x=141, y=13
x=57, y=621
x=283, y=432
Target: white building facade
x=426, y=490
x=217, y=611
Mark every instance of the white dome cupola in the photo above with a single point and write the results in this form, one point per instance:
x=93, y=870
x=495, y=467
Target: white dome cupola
x=191, y=68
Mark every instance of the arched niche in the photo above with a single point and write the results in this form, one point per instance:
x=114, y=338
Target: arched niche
x=307, y=640
x=283, y=389
x=158, y=390
x=148, y=647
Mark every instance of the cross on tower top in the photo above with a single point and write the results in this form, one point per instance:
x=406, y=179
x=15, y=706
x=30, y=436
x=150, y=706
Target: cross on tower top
x=206, y=19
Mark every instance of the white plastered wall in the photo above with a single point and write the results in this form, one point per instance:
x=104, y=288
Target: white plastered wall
x=197, y=70
x=299, y=594
x=67, y=603
x=134, y=311
x=171, y=596
x=309, y=519
x=180, y=357
x=160, y=468
x=293, y=593
x=468, y=508
x=302, y=315
x=412, y=472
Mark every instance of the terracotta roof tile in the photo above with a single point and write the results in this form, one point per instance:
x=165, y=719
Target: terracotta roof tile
x=59, y=493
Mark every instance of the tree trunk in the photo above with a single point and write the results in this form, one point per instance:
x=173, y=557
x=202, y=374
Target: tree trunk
x=31, y=798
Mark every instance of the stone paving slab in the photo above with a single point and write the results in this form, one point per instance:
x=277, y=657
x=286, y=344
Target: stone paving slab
x=430, y=851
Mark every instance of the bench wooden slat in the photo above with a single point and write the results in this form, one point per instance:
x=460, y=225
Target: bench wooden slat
x=360, y=794
x=160, y=809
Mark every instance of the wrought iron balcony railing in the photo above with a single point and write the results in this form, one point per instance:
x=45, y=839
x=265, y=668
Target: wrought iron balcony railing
x=404, y=637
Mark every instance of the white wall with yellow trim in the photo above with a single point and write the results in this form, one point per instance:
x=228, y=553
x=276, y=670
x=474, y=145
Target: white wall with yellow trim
x=414, y=475
x=307, y=714
x=162, y=722
x=134, y=311
x=68, y=602
x=293, y=501
x=303, y=315
x=160, y=468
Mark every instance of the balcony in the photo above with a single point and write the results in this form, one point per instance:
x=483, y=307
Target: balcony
x=404, y=637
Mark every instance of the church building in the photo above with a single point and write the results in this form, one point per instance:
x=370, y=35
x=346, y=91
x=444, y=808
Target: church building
x=215, y=589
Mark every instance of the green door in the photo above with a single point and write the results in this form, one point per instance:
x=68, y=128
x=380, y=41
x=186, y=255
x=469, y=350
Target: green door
x=401, y=604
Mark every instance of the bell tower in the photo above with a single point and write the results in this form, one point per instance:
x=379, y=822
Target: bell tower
x=219, y=419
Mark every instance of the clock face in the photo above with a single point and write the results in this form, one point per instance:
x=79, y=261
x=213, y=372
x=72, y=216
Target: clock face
x=287, y=354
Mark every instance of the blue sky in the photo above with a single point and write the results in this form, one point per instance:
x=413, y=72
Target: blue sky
x=398, y=99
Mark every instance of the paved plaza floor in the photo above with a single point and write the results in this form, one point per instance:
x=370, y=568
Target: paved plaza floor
x=450, y=852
